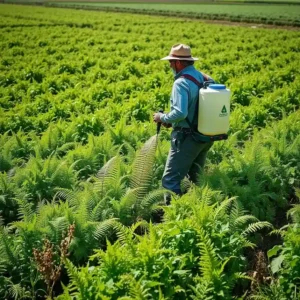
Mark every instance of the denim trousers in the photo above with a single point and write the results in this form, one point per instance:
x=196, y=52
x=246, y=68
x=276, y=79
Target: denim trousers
x=186, y=158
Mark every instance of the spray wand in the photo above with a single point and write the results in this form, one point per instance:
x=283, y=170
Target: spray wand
x=158, y=124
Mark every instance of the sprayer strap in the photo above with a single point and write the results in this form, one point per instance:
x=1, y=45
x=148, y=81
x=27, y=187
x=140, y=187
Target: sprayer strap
x=187, y=76
x=200, y=85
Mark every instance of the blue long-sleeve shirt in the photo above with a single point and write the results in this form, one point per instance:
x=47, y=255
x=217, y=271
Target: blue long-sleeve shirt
x=184, y=97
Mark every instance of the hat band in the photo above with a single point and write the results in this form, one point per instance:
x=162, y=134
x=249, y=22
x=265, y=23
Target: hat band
x=189, y=56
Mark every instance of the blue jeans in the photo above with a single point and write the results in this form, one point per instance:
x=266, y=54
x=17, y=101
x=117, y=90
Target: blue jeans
x=186, y=158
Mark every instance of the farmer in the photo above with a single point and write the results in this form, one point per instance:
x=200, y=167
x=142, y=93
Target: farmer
x=186, y=156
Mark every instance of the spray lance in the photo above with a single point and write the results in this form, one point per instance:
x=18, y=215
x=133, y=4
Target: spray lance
x=158, y=124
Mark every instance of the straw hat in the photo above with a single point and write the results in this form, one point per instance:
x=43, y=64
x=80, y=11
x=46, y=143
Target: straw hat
x=180, y=52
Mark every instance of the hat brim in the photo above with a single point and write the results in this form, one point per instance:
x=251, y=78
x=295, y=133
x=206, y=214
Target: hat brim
x=179, y=58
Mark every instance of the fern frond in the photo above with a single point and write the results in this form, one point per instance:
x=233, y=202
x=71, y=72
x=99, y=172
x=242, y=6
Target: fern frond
x=77, y=281
x=253, y=227
x=68, y=195
x=138, y=290
x=202, y=291
x=294, y=213
x=209, y=260
x=224, y=206
x=240, y=275
x=58, y=227
x=127, y=235
x=104, y=229
x=153, y=198
x=248, y=244
x=96, y=214
x=57, y=170
x=107, y=174
x=185, y=184
x=7, y=248
x=128, y=206
x=236, y=211
x=142, y=167
x=279, y=232
x=16, y=291
x=25, y=210
x=206, y=195
x=243, y=220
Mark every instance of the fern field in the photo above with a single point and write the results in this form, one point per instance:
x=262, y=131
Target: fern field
x=82, y=212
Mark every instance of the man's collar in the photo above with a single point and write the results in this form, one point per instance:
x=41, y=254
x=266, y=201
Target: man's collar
x=183, y=71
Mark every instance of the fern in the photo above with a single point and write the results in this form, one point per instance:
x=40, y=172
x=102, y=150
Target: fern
x=242, y=220
x=294, y=213
x=202, y=291
x=125, y=209
x=142, y=167
x=107, y=175
x=7, y=249
x=224, y=207
x=104, y=229
x=236, y=212
x=209, y=260
x=150, y=202
x=58, y=226
x=78, y=282
x=69, y=195
x=16, y=291
x=253, y=227
x=101, y=211
x=25, y=209
x=139, y=290
x=126, y=235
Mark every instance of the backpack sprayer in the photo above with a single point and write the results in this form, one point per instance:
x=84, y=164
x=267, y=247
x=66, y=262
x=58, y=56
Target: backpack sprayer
x=212, y=110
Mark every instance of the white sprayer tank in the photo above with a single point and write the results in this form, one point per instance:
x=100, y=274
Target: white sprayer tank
x=214, y=110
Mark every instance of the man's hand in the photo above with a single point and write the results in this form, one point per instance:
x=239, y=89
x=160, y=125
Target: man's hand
x=156, y=117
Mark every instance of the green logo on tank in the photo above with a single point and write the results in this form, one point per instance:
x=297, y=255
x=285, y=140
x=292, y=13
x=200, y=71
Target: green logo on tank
x=223, y=112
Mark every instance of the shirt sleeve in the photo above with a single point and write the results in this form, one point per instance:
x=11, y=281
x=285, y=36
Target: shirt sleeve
x=179, y=109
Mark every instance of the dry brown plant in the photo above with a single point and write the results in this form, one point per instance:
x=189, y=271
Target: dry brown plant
x=47, y=264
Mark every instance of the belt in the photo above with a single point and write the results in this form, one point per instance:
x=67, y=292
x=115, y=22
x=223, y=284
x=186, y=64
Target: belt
x=183, y=129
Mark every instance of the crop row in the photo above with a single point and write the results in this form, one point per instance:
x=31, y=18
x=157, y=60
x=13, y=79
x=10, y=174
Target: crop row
x=269, y=14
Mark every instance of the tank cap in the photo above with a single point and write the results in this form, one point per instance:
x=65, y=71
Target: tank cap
x=217, y=86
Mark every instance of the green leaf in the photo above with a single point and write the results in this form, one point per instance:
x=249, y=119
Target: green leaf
x=181, y=272
x=273, y=251
x=276, y=263
x=154, y=283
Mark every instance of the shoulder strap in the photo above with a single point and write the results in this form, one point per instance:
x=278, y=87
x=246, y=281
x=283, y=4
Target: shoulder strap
x=187, y=76
x=200, y=85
